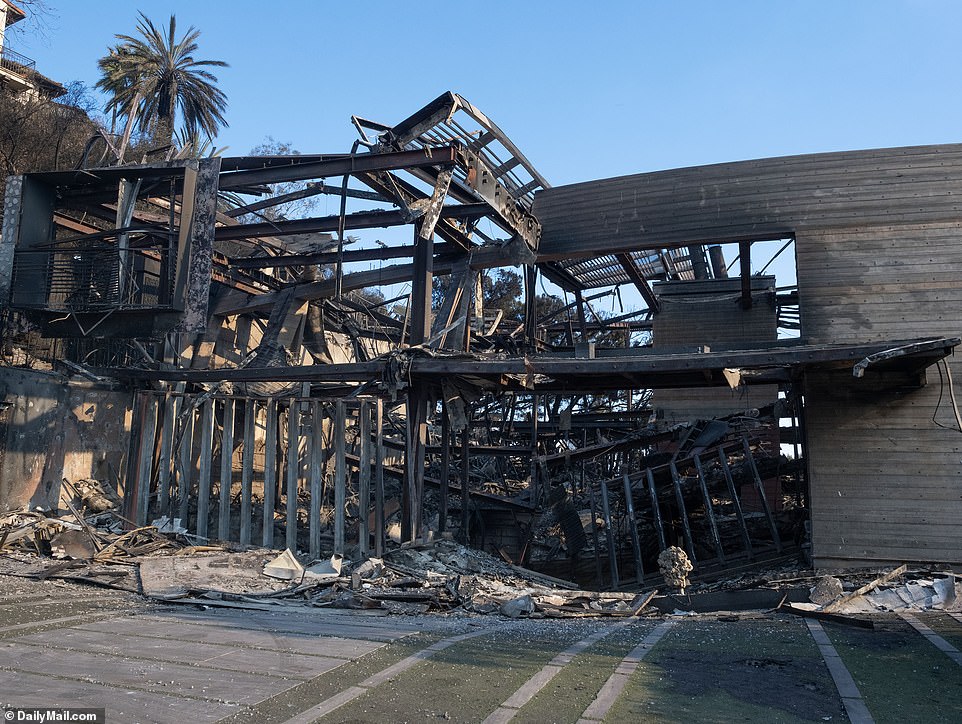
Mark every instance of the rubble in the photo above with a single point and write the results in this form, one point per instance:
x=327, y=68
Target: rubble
x=827, y=589
x=518, y=607
x=675, y=567
x=440, y=575
x=94, y=495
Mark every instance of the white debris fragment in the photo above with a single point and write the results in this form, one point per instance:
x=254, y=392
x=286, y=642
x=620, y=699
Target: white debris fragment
x=163, y=524
x=674, y=566
x=285, y=567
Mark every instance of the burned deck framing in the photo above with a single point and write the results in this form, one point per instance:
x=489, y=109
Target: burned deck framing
x=207, y=235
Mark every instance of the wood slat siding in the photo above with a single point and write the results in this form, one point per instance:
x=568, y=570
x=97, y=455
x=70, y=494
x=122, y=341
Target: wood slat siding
x=767, y=198
x=879, y=257
x=886, y=481
x=700, y=403
x=709, y=312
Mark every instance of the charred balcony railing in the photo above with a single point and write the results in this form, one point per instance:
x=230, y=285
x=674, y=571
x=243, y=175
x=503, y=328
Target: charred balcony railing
x=94, y=276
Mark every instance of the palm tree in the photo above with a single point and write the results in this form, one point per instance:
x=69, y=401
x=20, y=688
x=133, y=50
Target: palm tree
x=152, y=78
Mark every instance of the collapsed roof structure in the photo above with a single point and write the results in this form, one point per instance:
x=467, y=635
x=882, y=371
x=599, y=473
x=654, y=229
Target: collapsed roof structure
x=220, y=364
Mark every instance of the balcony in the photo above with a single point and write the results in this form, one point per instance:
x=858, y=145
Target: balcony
x=92, y=277
x=16, y=63
x=19, y=74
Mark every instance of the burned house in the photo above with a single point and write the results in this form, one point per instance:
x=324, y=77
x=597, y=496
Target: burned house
x=225, y=367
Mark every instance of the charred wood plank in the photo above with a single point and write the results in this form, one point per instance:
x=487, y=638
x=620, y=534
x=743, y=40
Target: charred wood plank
x=353, y=164
x=750, y=460
x=736, y=502
x=682, y=511
x=633, y=530
x=638, y=279
x=709, y=512
x=359, y=220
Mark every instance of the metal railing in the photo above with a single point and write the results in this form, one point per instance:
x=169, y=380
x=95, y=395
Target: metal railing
x=92, y=279
x=17, y=63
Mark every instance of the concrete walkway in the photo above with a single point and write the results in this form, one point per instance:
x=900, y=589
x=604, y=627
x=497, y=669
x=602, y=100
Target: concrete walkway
x=149, y=663
x=195, y=665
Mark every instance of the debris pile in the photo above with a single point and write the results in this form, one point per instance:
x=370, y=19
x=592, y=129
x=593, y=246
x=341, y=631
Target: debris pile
x=89, y=543
x=899, y=589
x=839, y=598
x=160, y=562
x=443, y=576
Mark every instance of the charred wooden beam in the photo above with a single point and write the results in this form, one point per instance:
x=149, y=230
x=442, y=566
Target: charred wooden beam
x=592, y=327
x=314, y=189
x=745, y=261
x=530, y=303
x=412, y=492
x=440, y=110
x=638, y=279
x=237, y=302
x=405, y=195
x=453, y=294
x=353, y=164
x=324, y=257
x=592, y=374
x=554, y=272
x=423, y=119
x=484, y=182
x=423, y=276
x=361, y=220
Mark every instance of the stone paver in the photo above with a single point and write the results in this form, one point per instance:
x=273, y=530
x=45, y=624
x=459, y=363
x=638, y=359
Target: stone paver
x=312, y=623
x=615, y=684
x=855, y=707
x=348, y=695
x=183, y=666
x=937, y=641
x=194, y=665
x=509, y=709
x=218, y=656
x=320, y=644
x=21, y=689
x=150, y=675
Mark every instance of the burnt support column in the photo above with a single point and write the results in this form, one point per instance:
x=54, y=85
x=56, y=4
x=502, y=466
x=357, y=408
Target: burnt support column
x=582, y=322
x=745, y=260
x=699, y=267
x=465, y=480
x=417, y=412
x=445, y=464
x=379, y=478
x=716, y=256
x=417, y=394
x=421, y=288
x=247, y=472
x=535, y=482
x=340, y=474
x=364, y=477
x=417, y=434
x=530, y=304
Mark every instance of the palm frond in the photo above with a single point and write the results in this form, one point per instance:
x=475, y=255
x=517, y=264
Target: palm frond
x=158, y=77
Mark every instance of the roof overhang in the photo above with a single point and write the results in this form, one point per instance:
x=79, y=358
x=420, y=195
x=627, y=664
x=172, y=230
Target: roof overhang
x=901, y=361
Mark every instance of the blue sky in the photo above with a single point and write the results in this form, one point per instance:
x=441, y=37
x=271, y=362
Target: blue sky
x=586, y=89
